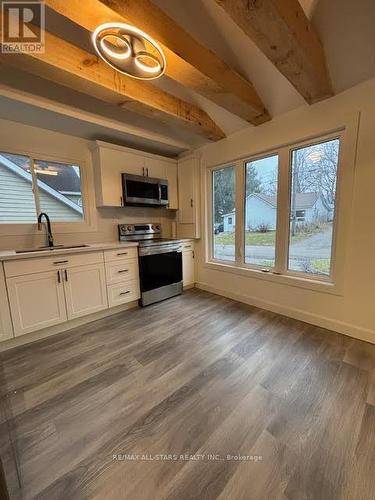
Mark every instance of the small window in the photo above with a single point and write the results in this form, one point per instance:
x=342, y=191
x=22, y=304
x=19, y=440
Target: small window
x=312, y=207
x=30, y=186
x=223, y=184
x=300, y=215
x=261, y=211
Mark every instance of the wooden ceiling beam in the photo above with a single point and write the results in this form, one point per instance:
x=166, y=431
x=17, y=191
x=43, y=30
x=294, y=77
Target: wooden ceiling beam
x=281, y=30
x=75, y=68
x=188, y=62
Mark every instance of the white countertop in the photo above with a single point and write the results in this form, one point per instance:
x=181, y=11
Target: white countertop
x=12, y=255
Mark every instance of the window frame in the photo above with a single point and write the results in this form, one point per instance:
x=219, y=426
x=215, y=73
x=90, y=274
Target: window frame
x=211, y=218
x=269, y=154
x=87, y=224
x=280, y=274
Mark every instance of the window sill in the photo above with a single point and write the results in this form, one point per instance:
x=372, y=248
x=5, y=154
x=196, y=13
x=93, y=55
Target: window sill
x=317, y=285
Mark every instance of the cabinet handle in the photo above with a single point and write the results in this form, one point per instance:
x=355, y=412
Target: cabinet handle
x=123, y=253
x=193, y=254
x=60, y=262
x=121, y=201
x=191, y=202
x=124, y=271
x=125, y=293
x=147, y=171
x=66, y=274
x=58, y=277
x=143, y=170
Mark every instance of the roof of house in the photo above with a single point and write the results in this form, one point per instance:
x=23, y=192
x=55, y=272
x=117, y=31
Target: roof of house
x=18, y=166
x=303, y=200
x=67, y=181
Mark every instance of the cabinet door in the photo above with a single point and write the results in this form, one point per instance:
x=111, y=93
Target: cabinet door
x=85, y=290
x=186, y=181
x=109, y=164
x=36, y=301
x=188, y=267
x=156, y=167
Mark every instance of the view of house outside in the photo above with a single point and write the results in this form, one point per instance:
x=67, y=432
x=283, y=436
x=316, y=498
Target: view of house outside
x=57, y=187
x=312, y=208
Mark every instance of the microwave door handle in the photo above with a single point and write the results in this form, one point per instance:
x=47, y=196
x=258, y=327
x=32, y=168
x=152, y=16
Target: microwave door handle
x=159, y=193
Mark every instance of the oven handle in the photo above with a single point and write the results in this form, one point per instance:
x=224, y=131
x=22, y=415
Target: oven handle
x=145, y=252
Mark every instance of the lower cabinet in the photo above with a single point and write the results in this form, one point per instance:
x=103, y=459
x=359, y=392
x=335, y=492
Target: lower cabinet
x=36, y=301
x=85, y=290
x=121, y=293
x=188, y=264
x=48, y=298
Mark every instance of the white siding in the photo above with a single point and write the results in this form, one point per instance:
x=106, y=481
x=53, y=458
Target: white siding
x=17, y=201
x=259, y=212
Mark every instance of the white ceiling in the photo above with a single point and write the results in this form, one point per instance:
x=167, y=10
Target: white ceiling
x=346, y=28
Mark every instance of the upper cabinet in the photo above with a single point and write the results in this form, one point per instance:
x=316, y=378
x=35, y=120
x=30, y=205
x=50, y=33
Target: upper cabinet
x=189, y=196
x=110, y=161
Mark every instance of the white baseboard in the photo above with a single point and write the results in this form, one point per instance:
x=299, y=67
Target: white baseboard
x=63, y=327
x=348, y=329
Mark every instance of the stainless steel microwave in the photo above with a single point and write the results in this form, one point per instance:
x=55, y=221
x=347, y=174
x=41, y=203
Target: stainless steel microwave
x=139, y=191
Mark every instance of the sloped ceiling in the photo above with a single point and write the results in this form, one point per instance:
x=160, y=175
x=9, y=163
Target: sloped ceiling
x=346, y=29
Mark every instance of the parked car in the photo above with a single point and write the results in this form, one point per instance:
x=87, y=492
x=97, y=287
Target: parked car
x=218, y=228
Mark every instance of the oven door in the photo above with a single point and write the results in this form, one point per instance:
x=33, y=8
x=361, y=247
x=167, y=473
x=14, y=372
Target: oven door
x=160, y=276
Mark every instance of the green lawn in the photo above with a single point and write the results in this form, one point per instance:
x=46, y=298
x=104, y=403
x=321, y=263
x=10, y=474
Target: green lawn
x=321, y=266
x=257, y=239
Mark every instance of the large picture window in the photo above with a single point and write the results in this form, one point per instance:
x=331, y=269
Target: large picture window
x=29, y=186
x=286, y=209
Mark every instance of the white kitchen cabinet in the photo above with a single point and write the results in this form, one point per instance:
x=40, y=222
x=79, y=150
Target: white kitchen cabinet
x=122, y=293
x=6, y=327
x=188, y=197
x=85, y=290
x=36, y=301
x=110, y=161
x=188, y=264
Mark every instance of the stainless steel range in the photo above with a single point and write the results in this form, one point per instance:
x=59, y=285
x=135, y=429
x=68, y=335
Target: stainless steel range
x=160, y=261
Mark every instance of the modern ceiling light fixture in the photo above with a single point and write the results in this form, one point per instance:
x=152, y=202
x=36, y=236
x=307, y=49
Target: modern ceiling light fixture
x=129, y=50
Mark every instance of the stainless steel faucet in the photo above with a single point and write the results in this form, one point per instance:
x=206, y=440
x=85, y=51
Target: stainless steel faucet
x=49, y=230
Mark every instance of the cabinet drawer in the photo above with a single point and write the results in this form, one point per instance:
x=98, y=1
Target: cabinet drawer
x=41, y=264
x=123, y=293
x=121, y=271
x=187, y=246
x=121, y=254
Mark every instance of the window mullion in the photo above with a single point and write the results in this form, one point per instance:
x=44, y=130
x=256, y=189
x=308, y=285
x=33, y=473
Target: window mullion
x=282, y=225
x=35, y=187
x=240, y=209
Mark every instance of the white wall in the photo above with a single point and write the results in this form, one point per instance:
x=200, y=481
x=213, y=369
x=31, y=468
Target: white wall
x=16, y=137
x=352, y=311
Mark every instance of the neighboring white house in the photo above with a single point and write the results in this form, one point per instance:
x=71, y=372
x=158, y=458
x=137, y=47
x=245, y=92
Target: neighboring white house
x=17, y=200
x=261, y=210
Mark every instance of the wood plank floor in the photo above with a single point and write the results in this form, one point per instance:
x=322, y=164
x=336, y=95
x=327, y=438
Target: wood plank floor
x=198, y=397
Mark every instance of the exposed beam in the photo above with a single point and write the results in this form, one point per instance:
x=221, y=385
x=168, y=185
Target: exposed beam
x=75, y=68
x=132, y=131
x=188, y=62
x=281, y=30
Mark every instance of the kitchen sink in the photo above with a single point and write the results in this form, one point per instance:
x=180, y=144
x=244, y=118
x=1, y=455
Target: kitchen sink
x=51, y=249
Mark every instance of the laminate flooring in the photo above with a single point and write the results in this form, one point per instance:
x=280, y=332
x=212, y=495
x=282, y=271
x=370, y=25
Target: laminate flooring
x=197, y=397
